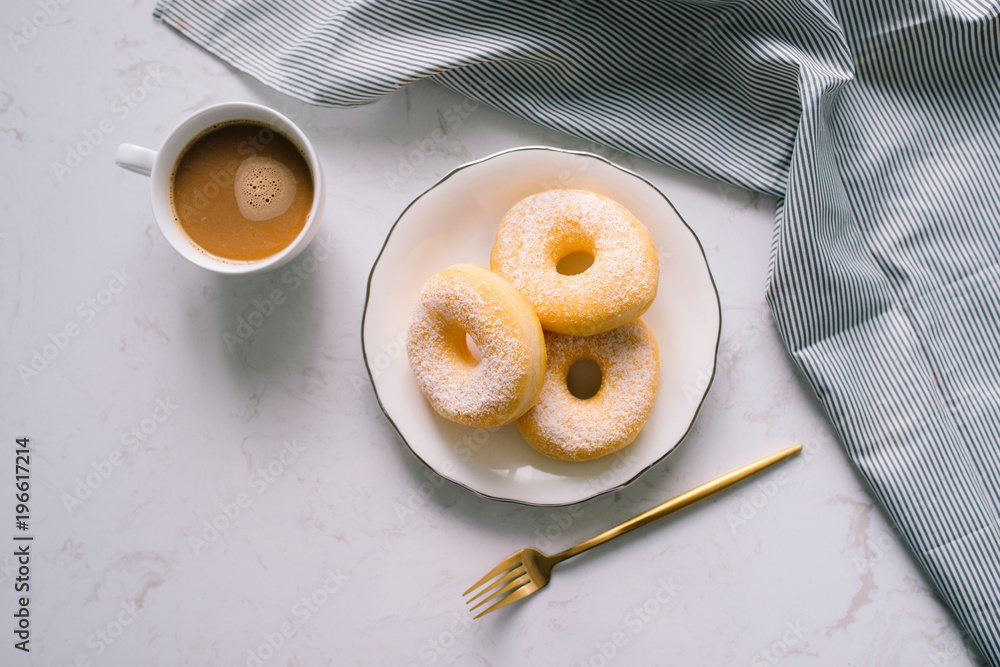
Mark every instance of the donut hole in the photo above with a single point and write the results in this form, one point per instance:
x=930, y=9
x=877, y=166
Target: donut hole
x=584, y=379
x=472, y=355
x=574, y=263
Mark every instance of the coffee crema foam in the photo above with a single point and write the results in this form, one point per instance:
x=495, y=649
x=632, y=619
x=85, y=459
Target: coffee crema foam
x=264, y=188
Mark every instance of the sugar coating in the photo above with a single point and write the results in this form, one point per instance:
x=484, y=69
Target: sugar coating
x=264, y=188
x=505, y=382
x=565, y=427
x=543, y=228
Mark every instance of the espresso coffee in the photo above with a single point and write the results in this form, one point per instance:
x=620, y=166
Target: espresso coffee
x=241, y=191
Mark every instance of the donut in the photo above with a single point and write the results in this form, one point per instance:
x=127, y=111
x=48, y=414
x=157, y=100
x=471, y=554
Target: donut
x=500, y=386
x=542, y=230
x=565, y=427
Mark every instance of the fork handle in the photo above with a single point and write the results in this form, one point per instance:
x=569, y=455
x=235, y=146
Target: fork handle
x=680, y=502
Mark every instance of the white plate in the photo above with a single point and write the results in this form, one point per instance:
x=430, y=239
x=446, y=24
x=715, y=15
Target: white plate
x=455, y=222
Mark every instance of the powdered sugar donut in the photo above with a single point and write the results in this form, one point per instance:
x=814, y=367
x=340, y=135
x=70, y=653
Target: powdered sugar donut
x=565, y=427
x=542, y=230
x=504, y=383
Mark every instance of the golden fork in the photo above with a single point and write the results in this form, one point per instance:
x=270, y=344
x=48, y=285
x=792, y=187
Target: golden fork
x=528, y=570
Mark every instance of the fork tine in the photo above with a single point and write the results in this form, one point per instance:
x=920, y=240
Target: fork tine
x=511, y=585
x=511, y=561
x=506, y=578
x=522, y=592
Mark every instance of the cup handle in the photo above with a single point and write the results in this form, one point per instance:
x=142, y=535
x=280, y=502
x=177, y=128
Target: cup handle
x=135, y=158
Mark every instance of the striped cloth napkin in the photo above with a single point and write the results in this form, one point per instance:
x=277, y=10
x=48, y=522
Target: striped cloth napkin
x=876, y=125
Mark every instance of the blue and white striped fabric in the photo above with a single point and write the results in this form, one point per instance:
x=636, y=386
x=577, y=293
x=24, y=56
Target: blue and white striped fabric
x=876, y=126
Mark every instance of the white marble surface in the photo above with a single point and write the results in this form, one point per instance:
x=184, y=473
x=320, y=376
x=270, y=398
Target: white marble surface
x=349, y=545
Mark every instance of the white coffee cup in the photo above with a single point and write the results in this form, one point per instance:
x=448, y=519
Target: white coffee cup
x=158, y=165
